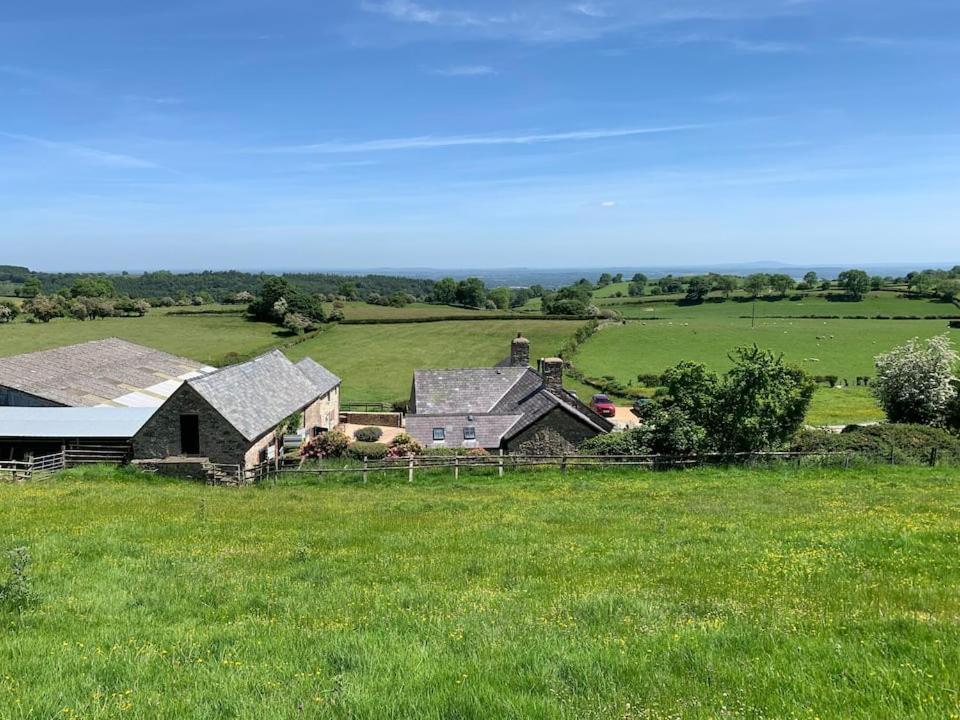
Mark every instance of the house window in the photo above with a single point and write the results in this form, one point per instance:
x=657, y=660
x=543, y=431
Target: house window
x=439, y=434
x=469, y=433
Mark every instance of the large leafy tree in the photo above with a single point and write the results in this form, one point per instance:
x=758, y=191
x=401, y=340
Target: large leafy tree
x=756, y=284
x=445, y=291
x=782, y=284
x=471, y=292
x=759, y=404
x=916, y=382
x=856, y=283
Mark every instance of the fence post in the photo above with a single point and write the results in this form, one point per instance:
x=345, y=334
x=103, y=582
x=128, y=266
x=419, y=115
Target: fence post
x=456, y=467
x=563, y=463
x=934, y=455
x=410, y=465
x=365, y=468
x=500, y=463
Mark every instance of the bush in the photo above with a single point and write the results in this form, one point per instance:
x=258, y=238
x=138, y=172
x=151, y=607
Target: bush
x=635, y=441
x=915, y=382
x=368, y=434
x=404, y=446
x=369, y=450
x=907, y=444
x=332, y=444
x=16, y=591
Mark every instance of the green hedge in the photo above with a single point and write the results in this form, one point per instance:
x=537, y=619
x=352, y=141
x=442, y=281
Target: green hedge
x=905, y=444
x=460, y=318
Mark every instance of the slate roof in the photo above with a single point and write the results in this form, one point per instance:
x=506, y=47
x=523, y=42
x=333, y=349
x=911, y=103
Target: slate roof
x=72, y=422
x=503, y=402
x=324, y=380
x=490, y=429
x=256, y=396
x=468, y=390
x=100, y=372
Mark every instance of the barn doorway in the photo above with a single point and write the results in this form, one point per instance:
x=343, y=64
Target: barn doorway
x=189, y=434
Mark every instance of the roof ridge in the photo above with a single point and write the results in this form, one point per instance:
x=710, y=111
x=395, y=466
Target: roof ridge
x=220, y=370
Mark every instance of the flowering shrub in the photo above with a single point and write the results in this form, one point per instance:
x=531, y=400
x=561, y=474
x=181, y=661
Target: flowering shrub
x=404, y=446
x=328, y=445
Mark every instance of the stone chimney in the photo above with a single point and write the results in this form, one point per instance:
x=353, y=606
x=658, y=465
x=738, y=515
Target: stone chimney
x=520, y=352
x=552, y=371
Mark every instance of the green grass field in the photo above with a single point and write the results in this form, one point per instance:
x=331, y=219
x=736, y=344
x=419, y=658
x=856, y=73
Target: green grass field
x=707, y=594
x=822, y=347
x=878, y=303
x=364, y=311
x=377, y=362
x=206, y=338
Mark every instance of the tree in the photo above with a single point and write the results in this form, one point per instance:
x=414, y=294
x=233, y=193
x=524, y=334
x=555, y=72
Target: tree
x=782, y=284
x=572, y=300
x=856, y=283
x=758, y=405
x=93, y=287
x=876, y=282
x=810, y=279
x=500, y=297
x=949, y=290
x=636, y=289
x=8, y=311
x=618, y=278
x=31, y=288
x=639, y=278
x=916, y=382
x=471, y=292
x=44, y=308
x=697, y=289
x=444, y=291
x=727, y=284
x=756, y=284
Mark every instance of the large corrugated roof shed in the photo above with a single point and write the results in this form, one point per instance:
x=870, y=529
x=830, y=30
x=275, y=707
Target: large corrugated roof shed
x=72, y=422
x=110, y=372
x=256, y=396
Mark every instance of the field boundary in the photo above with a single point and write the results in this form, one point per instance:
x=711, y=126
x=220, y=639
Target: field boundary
x=461, y=318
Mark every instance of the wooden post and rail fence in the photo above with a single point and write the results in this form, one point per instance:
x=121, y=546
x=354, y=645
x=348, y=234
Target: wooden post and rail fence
x=47, y=465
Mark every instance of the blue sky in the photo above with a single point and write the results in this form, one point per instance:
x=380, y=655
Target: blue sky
x=460, y=133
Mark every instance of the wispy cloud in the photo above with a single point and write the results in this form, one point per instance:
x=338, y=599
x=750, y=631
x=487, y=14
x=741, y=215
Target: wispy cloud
x=464, y=71
x=548, y=22
x=414, y=12
x=92, y=155
x=431, y=142
x=903, y=43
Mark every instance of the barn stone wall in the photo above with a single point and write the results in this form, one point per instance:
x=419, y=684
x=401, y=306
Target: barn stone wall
x=323, y=413
x=573, y=430
x=160, y=436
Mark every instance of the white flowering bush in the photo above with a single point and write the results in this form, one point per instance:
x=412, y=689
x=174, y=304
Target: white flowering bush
x=915, y=382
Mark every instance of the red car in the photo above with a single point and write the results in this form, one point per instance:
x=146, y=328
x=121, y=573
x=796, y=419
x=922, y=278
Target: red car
x=602, y=405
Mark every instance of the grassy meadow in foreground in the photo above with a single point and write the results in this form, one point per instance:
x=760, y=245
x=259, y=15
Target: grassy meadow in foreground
x=786, y=594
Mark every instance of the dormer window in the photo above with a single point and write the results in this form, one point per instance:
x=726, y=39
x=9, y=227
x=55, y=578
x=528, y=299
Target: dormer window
x=439, y=434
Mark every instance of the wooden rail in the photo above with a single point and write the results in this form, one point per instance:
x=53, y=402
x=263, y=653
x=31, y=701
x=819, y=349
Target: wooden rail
x=502, y=462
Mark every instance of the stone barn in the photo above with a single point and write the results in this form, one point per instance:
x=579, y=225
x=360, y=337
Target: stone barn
x=231, y=416
x=499, y=408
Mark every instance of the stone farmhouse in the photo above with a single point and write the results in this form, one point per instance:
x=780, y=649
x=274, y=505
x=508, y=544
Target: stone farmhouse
x=231, y=416
x=499, y=408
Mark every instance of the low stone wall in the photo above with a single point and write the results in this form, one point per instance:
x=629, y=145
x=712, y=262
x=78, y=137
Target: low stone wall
x=394, y=420
x=191, y=468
